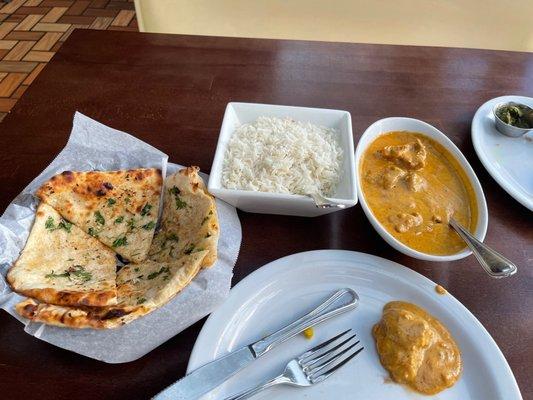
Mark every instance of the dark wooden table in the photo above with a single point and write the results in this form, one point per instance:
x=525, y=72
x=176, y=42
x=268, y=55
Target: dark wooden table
x=171, y=91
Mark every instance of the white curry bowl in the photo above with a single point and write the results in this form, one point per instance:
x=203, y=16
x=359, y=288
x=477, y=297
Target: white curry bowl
x=414, y=125
x=279, y=203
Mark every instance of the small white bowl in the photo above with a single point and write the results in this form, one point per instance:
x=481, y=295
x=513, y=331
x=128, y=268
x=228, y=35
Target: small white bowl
x=277, y=203
x=414, y=125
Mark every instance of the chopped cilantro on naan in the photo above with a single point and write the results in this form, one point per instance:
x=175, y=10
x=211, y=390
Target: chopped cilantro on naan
x=119, y=208
x=63, y=265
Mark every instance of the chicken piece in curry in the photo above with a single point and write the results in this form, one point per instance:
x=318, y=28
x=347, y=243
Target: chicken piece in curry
x=416, y=348
x=413, y=185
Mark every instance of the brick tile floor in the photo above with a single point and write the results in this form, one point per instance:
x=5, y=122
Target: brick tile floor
x=31, y=31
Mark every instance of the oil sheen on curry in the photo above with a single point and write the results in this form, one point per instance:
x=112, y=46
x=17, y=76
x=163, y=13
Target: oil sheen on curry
x=416, y=348
x=413, y=186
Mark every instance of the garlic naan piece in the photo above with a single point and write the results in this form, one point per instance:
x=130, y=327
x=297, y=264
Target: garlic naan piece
x=63, y=265
x=119, y=208
x=142, y=288
x=189, y=221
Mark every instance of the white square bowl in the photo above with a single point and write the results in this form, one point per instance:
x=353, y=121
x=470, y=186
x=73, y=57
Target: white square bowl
x=278, y=203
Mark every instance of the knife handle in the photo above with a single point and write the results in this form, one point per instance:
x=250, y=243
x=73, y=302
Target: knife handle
x=325, y=311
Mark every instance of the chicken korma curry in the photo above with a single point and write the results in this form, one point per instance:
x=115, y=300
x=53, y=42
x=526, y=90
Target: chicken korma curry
x=416, y=348
x=413, y=185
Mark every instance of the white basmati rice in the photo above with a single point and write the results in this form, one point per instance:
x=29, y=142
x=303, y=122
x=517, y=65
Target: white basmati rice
x=283, y=156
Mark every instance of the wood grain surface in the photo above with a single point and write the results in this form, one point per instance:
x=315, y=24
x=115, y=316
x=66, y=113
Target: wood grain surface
x=171, y=91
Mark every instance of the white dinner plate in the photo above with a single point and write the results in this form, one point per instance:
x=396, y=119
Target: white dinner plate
x=284, y=289
x=508, y=160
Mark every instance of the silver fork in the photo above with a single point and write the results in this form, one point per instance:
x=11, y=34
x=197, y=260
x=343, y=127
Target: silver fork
x=314, y=365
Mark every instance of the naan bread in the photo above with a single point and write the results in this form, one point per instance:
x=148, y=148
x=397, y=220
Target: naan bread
x=63, y=265
x=120, y=208
x=189, y=220
x=142, y=288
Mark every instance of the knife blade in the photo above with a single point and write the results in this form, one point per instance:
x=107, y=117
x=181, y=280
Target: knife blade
x=211, y=375
x=208, y=377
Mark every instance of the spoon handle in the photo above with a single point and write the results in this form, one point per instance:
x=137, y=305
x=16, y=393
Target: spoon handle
x=493, y=262
x=323, y=202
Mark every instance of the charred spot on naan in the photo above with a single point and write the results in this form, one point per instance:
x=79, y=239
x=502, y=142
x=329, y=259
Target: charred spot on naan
x=115, y=313
x=140, y=174
x=27, y=308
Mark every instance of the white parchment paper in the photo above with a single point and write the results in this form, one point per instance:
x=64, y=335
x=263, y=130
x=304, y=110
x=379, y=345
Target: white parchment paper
x=94, y=146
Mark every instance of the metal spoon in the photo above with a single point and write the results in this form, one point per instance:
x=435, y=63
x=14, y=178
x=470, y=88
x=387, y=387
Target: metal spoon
x=323, y=202
x=492, y=262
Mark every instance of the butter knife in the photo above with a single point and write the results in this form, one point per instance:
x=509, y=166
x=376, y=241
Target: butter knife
x=213, y=374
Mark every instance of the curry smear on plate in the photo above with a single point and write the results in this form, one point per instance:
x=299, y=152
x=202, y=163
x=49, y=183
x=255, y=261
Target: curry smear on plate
x=416, y=348
x=413, y=185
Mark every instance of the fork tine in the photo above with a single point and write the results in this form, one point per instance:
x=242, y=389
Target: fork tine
x=324, y=375
x=322, y=345
x=329, y=359
x=307, y=363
